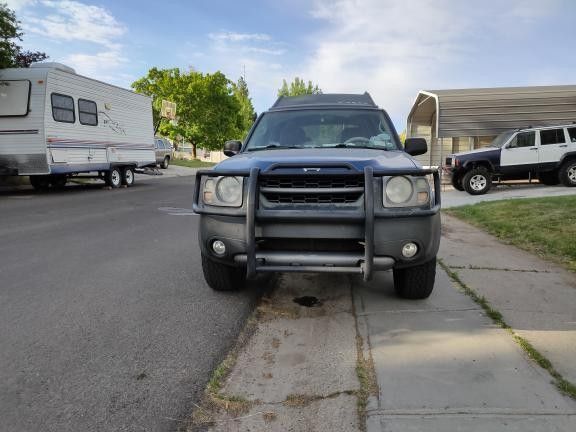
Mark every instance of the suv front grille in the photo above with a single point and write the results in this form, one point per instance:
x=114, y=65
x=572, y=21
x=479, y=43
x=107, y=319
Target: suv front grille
x=311, y=190
x=309, y=182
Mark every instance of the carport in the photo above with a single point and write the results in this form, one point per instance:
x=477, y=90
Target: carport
x=465, y=119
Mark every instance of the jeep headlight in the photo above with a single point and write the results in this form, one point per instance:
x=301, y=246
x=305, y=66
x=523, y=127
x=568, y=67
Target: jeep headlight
x=224, y=191
x=406, y=191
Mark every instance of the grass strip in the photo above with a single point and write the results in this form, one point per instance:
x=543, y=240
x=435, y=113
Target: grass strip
x=560, y=382
x=193, y=163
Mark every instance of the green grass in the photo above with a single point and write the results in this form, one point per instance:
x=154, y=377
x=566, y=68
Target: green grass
x=195, y=163
x=544, y=226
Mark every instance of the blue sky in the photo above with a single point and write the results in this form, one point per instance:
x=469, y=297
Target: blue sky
x=391, y=48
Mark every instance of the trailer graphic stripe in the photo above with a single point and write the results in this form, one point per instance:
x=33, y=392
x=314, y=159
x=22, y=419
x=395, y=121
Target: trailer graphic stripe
x=70, y=143
x=19, y=132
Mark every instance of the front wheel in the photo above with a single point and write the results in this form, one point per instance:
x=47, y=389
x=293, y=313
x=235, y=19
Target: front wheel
x=165, y=162
x=114, y=178
x=416, y=282
x=221, y=277
x=477, y=181
x=568, y=173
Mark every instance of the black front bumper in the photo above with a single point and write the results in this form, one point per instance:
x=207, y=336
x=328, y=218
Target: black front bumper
x=381, y=231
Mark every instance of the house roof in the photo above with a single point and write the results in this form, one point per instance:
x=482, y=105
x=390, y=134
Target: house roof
x=490, y=111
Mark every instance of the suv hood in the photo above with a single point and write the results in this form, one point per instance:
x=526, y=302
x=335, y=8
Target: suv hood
x=476, y=151
x=359, y=158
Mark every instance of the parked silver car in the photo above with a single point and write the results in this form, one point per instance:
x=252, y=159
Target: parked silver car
x=163, y=150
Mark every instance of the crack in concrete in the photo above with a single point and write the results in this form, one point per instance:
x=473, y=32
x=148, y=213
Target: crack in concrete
x=472, y=267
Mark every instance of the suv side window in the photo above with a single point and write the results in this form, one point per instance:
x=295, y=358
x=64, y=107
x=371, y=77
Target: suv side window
x=523, y=139
x=552, y=136
x=572, y=134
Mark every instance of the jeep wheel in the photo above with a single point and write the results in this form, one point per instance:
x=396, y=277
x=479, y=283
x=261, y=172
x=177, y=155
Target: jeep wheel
x=549, y=178
x=415, y=282
x=457, y=183
x=221, y=277
x=477, y=181
x=568, y=173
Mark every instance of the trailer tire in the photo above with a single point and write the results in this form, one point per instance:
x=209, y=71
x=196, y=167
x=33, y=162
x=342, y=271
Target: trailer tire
x=415, y=283
x=40, y=182
x=165, y=163
x=128, y=177
x=221, y=277
x=58, y=181
x=114, y=177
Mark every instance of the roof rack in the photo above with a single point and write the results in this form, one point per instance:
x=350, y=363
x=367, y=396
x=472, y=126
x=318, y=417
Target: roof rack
x=324, y=100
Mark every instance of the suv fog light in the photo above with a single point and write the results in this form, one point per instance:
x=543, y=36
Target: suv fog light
x=218, y=247
x=409, y=250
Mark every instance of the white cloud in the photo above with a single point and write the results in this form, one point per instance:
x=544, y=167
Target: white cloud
x=72, y=20
x=393, y=48
x=96, y=64
x=19, y=4
x=238, y=37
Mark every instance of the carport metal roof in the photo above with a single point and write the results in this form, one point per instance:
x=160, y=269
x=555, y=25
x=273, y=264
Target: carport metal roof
x=490, y=111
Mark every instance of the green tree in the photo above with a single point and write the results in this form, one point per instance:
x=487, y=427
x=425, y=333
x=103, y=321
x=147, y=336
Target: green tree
x=11, y=54
x=298, y=87
x=207, y=109
x=246, y=114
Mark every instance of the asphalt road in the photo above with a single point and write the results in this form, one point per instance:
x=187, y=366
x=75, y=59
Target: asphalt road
x=106, y=323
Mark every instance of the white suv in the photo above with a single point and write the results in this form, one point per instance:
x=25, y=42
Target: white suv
x=547, y=153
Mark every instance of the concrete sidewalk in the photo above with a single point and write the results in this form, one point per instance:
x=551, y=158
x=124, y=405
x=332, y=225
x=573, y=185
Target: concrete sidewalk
x=442, y=365
x=536, y=298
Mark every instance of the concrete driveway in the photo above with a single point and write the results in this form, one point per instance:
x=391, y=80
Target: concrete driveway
x=454, y=198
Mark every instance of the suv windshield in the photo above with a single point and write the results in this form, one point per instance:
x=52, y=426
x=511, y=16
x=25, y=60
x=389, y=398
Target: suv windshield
x=501, y=139
x=322, y=129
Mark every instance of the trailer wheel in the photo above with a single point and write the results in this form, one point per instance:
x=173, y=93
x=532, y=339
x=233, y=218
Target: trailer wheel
x=128, y=176
x=41, y=182
x=114, y=177
x=165, y=163
x=58, y=181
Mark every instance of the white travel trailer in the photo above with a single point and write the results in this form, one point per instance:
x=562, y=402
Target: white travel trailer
x=55, y=124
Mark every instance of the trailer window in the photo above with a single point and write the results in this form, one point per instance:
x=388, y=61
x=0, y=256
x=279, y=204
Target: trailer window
x=63, y=108
x=14, y=98
x=87, y=112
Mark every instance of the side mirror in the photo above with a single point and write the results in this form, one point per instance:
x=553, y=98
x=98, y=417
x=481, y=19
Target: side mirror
x=415, y=146
x=232, y=148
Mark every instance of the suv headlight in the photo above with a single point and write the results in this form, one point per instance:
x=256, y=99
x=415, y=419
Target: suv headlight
x=406, y=191
x=224, y=191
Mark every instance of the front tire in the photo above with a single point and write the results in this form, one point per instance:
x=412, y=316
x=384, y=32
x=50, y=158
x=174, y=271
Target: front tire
x=415, y=283
x=477, y=181
x=221, y=277
x=128, y=176
x=165, y=163
x=568, y=173
x=114, y=178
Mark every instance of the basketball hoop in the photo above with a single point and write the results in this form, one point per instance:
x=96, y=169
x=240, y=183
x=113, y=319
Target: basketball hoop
x=168, y=110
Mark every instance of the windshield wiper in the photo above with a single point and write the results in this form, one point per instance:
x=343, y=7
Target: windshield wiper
x=359, y=146
x=273, y=147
